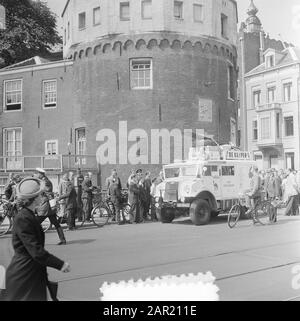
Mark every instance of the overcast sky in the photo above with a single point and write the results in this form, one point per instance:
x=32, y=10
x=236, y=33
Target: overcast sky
x=277, y=16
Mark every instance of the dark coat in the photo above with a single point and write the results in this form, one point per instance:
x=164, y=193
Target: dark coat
x=115, y=190
x=70, y=196
x=133, y=196
x=45, y=209
x=87, y=189
x=26, y=275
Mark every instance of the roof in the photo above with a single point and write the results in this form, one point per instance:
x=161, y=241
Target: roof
x=289, y=55
x=35, y=61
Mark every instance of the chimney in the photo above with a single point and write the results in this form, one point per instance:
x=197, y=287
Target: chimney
x=2, y=18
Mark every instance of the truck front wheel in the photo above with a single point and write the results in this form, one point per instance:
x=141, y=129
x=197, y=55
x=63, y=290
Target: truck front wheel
x=200, y=212
x=165, y=215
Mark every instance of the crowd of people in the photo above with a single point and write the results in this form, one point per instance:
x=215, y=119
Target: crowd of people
x=282, y=185
x=141, y=191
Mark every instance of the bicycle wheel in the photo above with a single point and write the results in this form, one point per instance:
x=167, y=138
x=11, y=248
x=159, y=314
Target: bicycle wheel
x=100, y=215
x=264, y=213
x=46, y=224
x=234, y=215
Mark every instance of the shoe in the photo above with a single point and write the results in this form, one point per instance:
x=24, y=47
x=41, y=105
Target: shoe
x=121, y=223
x=62, y=243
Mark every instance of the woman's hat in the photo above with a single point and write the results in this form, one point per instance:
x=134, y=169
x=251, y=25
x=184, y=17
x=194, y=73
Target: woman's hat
x=29, y=188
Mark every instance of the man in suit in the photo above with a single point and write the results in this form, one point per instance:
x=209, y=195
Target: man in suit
x=87, y=189
x=70, y=197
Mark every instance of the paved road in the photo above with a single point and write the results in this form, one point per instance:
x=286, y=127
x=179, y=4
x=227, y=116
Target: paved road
x=249, y=262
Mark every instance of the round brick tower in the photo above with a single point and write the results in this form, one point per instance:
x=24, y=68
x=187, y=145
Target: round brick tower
x=159, y=64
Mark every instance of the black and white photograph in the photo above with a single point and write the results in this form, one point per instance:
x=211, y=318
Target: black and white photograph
x=149, y=152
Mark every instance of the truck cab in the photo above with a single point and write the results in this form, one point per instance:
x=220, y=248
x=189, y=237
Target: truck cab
x=208, y=183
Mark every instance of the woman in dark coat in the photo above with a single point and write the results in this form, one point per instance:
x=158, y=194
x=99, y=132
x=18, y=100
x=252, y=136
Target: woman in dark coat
x=26, y=276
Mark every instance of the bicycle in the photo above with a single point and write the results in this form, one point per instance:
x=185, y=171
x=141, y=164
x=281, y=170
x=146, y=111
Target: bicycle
x=264, y=212
x=103, y=211
x=7, y=212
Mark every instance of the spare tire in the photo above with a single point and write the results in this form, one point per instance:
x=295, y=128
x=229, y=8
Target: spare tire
x=200, y=212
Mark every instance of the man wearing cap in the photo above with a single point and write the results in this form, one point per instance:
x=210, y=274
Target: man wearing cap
x=45, y=209
x=26, y=275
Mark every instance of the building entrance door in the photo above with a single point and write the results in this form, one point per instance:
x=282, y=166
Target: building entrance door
x=274, y=163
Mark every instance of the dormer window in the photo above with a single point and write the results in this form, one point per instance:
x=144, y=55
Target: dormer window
x=270, y=61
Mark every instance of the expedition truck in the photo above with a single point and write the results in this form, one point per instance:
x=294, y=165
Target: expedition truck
x=207, y=184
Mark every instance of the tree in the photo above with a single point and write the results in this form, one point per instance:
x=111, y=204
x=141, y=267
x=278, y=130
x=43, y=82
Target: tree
x=30, y=31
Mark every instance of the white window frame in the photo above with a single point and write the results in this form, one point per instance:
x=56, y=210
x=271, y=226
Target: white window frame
x=95, y=10
x=270, y=58
x=78, y=142
x=198, y=5
x=284, y=85
x=285, y=127
x=51, y=141
x=124, y=4
x=133, y=71
x=271, y=89
x=180, y=4
x=147, y=3
x=255, y=103
x=5, y=93
x=263, y=127
x=81, y=14
x=254, y=129
x=5, y=130
x=44, y=103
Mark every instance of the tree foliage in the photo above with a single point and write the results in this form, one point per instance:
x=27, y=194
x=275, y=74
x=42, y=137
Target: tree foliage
x=30, y=31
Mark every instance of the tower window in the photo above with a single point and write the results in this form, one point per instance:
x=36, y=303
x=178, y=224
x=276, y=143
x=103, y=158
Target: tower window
x=147, y=9
x=141, y=73
x=178, y=9
x=224, y=25
x=198, y=13
x=81, y=20
x=124, y=11
x=96, y=16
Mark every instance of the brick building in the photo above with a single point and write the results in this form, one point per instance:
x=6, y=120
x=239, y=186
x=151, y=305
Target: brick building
x=144, y=64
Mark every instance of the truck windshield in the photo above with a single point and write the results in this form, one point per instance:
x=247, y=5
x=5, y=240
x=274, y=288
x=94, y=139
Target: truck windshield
x=172, y=172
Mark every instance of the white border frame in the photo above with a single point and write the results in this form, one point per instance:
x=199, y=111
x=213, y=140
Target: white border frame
x=51, y=141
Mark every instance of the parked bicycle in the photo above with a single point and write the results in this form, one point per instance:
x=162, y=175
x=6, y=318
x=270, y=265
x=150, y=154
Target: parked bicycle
x=264, y=212
x=7, y=212
x=104, y=212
